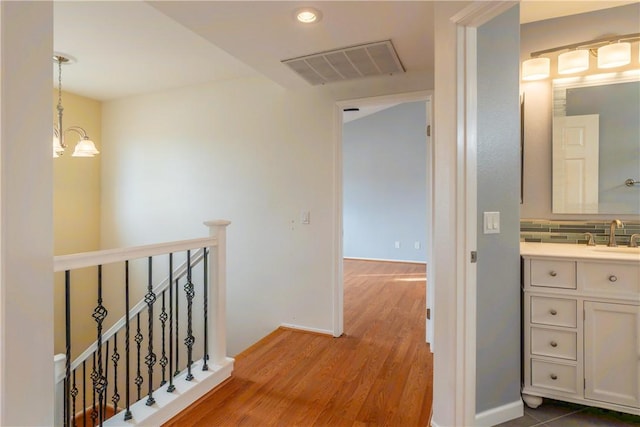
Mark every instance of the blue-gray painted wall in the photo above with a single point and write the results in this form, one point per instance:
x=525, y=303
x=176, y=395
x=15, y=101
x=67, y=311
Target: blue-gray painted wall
x=385, y=184
x=498, y=271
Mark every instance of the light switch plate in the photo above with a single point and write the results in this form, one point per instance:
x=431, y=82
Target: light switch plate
x=491, y=222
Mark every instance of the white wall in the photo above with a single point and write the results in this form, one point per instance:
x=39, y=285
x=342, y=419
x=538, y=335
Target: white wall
x=244, y=150
x=26, y=232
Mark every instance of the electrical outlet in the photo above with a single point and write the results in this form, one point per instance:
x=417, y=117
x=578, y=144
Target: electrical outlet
x=416, y=245
x=397, y=244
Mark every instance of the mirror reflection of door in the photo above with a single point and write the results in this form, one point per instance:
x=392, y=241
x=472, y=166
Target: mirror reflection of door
x=575, y=163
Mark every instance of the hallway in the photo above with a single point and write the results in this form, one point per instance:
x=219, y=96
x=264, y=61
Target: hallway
x=379, y=373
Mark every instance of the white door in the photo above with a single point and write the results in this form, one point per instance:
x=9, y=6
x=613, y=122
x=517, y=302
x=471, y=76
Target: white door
x=575, y=164
x=612, y=353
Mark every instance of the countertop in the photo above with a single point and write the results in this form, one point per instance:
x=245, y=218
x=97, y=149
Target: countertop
x=560, y=250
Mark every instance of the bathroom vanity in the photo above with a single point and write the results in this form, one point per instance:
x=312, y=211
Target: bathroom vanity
x=581, y=320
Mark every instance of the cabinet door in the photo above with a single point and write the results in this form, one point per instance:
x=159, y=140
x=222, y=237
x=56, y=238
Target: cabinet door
x=612, y=353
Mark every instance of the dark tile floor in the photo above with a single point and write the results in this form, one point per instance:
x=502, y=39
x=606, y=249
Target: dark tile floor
x=553, y=413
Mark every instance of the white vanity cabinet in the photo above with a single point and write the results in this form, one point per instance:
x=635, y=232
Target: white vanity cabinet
x=581, y=319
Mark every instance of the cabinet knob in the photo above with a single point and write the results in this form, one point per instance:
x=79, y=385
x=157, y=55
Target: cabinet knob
x=553, y=273
x=553, y=344
x=553, y=312
x=553, y=377
x=613, y=278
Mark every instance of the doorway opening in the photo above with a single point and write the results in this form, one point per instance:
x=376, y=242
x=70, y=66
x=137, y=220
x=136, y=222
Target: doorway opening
x=385, y=188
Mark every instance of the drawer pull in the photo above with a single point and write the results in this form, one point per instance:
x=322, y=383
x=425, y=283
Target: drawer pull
x=553, y=273
x=613, y=278
x=553, y=377
x=553, y=344
x=553, y=312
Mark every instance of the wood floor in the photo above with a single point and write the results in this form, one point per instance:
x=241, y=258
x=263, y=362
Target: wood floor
x=380, y=373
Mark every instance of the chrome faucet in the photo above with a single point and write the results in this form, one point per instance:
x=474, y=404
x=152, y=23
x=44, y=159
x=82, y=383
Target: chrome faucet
x=633, y=241
x=616, y=223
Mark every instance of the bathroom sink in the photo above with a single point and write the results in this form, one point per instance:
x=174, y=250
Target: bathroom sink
x=617, y=249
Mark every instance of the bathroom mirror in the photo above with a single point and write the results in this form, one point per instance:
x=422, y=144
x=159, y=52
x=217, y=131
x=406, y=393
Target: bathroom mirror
x=596, y=144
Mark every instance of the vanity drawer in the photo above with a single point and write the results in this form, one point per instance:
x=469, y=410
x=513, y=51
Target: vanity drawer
x=554, y=311
x=554, y=343
x=554, y=376
x=553, y=273
x=609, y=277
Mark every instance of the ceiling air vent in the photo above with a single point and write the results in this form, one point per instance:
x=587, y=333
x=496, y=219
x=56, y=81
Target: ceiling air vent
x=372, y=59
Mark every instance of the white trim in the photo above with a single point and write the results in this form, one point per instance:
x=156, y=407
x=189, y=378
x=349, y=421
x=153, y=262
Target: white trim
x=308, y=329
x=338, y=285
x=469, y=207
x=501, y=414
x=385, y=260
x=430, y=241
x=480, y=12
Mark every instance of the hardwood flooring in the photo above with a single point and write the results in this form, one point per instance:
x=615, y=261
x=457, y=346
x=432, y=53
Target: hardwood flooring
x=380, y=373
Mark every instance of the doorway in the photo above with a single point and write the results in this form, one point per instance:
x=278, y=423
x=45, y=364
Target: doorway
x=362, y=221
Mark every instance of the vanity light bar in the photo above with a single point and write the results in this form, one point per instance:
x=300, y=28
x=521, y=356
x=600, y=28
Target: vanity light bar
x=614, y=51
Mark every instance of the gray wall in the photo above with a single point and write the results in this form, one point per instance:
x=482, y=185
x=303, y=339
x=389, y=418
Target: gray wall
x=537, y=151
x=385, y=184
x=498, y=275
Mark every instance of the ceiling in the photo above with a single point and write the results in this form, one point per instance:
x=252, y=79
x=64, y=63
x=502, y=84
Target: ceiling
x=124, y=48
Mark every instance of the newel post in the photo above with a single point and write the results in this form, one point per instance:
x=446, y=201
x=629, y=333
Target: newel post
x=217, y=334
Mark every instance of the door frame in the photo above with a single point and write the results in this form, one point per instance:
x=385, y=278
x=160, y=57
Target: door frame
x=338, y=288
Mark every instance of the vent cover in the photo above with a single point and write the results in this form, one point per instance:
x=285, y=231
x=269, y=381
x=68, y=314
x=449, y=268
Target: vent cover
x=372, y=59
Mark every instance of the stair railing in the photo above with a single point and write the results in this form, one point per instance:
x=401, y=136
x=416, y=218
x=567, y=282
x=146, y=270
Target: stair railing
x=191, y=295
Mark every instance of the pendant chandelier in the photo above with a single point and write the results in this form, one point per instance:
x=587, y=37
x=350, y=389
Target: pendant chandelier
x=85, y=147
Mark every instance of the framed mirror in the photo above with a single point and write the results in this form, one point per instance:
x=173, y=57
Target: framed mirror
x=596, y=144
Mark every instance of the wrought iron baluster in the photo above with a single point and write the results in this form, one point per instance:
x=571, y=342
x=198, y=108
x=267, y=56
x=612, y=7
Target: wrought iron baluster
x=150, y=359
x=127, y=413
x=100, y=381
x=177, y=330
x=84, y=393
x=189, y=340
x=106, y=376
x=163, y=359
x=67, y=321
x=94, y=376
x=74, y=394
x=115, y=357
x=171, y=386
x=138, y=338
x=205, y=264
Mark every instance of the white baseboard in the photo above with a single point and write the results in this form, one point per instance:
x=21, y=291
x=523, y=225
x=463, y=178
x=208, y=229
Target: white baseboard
x=307, y=329
x=500, y=414
x=385, y=260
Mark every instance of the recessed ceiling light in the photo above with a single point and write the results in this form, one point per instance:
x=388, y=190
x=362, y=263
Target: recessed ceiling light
x=308, y=15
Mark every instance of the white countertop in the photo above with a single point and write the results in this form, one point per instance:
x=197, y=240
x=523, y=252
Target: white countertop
x=558, y=250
